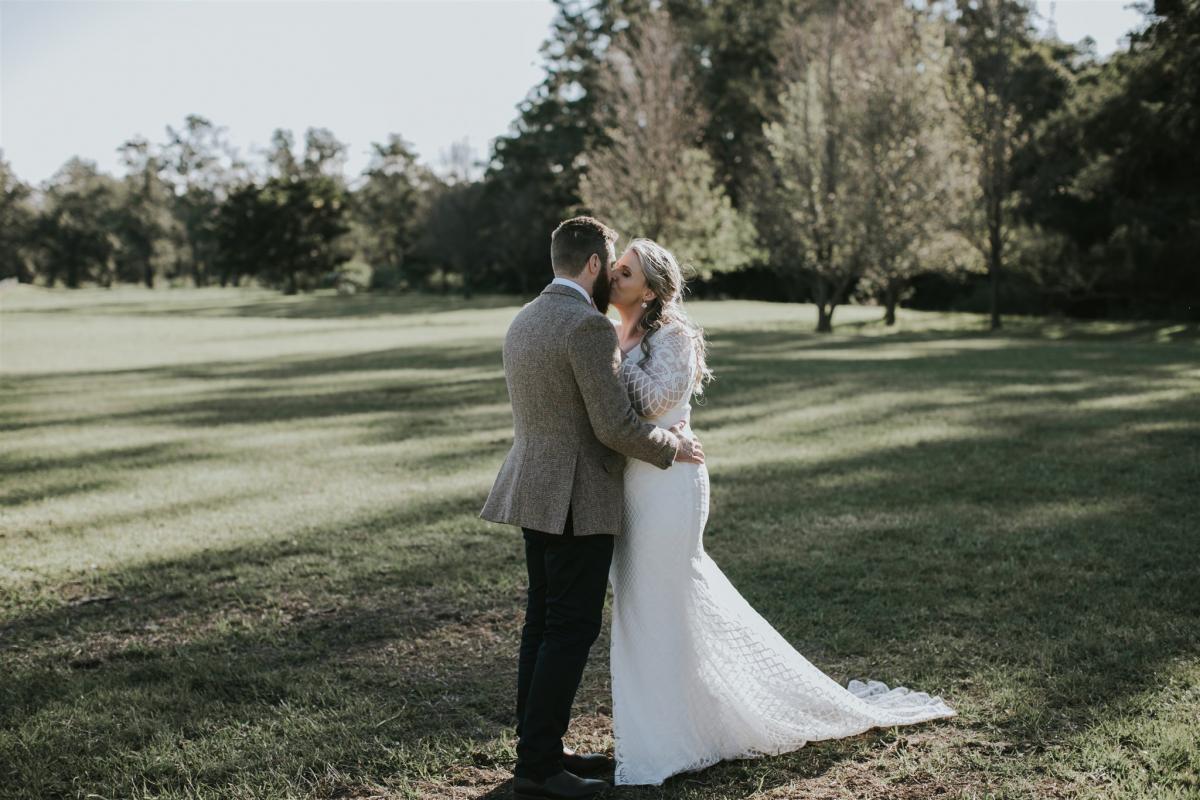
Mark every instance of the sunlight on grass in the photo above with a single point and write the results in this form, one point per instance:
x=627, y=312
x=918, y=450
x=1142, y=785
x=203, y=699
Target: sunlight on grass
x=241, y=552
x=1141, y=400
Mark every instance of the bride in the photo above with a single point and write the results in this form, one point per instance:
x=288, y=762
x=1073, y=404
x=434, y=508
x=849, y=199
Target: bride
x=697, y=675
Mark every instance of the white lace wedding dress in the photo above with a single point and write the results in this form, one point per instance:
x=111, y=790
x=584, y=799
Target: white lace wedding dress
x=697, y=675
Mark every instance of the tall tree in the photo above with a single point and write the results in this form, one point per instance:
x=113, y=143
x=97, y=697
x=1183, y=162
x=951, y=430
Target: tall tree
x=652, y=178
x=324, y=155
x=455, y=238
x=733, y=48
x=281, y=158
x=144, y=220
x=810, y=145
x=201, y=167
x=1001, y=85
x=17, y=218
x=452, y=232
x=74, y=230
x=247, y=230
x=532, y=181
x=911, y=167
x=390, y=208
x=306, y=221
x=1118, y=209
x=290, y=230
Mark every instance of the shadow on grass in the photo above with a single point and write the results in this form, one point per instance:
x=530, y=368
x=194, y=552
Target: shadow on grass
x=1158, y=331
x=45, y=478
x=1037, y=565
x=358, y=617
x=418, y=386
x=332, y=306
x=257, y=303
x=382, y=671
x=1011, y=375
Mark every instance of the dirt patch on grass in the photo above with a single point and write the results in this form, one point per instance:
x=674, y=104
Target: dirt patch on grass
x=468, y=783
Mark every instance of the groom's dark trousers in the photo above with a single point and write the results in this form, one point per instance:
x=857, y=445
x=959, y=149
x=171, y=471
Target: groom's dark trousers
x=568, y=579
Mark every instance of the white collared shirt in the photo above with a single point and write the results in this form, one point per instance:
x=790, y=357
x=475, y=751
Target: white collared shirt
x=561, y=281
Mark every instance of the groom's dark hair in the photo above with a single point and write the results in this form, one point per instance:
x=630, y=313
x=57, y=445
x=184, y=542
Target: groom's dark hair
x=575, y=240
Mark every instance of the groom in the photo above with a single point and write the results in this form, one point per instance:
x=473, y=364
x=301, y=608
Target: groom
x=563, y=484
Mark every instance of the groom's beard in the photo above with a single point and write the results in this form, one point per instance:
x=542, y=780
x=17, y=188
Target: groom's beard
x=600, y=292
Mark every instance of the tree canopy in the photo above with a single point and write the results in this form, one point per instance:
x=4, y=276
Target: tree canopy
x=942, y=154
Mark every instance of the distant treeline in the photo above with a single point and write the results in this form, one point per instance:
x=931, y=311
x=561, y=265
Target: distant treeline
x=801, y=150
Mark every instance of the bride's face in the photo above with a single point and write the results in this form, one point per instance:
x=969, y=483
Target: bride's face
x=628, y=284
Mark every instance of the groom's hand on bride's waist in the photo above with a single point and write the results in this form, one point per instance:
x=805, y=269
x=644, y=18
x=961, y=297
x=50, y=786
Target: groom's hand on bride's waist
x=689, y=449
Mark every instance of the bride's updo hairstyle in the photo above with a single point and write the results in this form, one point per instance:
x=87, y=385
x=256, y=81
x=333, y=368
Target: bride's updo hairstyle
x=665, y=279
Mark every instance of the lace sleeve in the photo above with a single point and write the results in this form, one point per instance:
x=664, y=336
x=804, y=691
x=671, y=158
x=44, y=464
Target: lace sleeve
x=668, y=375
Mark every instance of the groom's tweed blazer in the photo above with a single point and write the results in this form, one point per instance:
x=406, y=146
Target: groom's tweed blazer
x=570, y=413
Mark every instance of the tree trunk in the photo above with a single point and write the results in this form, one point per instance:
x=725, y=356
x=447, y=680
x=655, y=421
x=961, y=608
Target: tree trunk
x=889, y=317
x=198, y=278
x=824, y=319
x=994, y=261
x=199, y=261
x=148, y=275
x=998, y=186
x=825, y=305
x=229, y=276
x=291, y=287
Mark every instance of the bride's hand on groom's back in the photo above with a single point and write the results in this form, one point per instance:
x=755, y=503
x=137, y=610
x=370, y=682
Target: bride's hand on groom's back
x=690, y=449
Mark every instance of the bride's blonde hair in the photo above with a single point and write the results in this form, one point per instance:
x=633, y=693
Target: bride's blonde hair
x=665, y=279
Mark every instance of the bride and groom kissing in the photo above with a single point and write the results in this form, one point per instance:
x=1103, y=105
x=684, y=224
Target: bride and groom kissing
x=608, y=484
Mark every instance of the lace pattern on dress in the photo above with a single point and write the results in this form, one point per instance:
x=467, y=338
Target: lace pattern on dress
x=668, y=375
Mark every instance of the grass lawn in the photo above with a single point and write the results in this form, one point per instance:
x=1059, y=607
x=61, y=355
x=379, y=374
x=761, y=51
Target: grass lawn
x=240, y=554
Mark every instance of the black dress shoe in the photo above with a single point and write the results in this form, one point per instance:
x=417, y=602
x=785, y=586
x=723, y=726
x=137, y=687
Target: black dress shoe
x=587, y=763
x=563, y=786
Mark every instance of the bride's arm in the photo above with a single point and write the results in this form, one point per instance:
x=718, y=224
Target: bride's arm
x=666, y=378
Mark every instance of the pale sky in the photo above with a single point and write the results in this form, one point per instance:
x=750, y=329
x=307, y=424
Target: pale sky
x=1106, y=21
x=80, y=78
